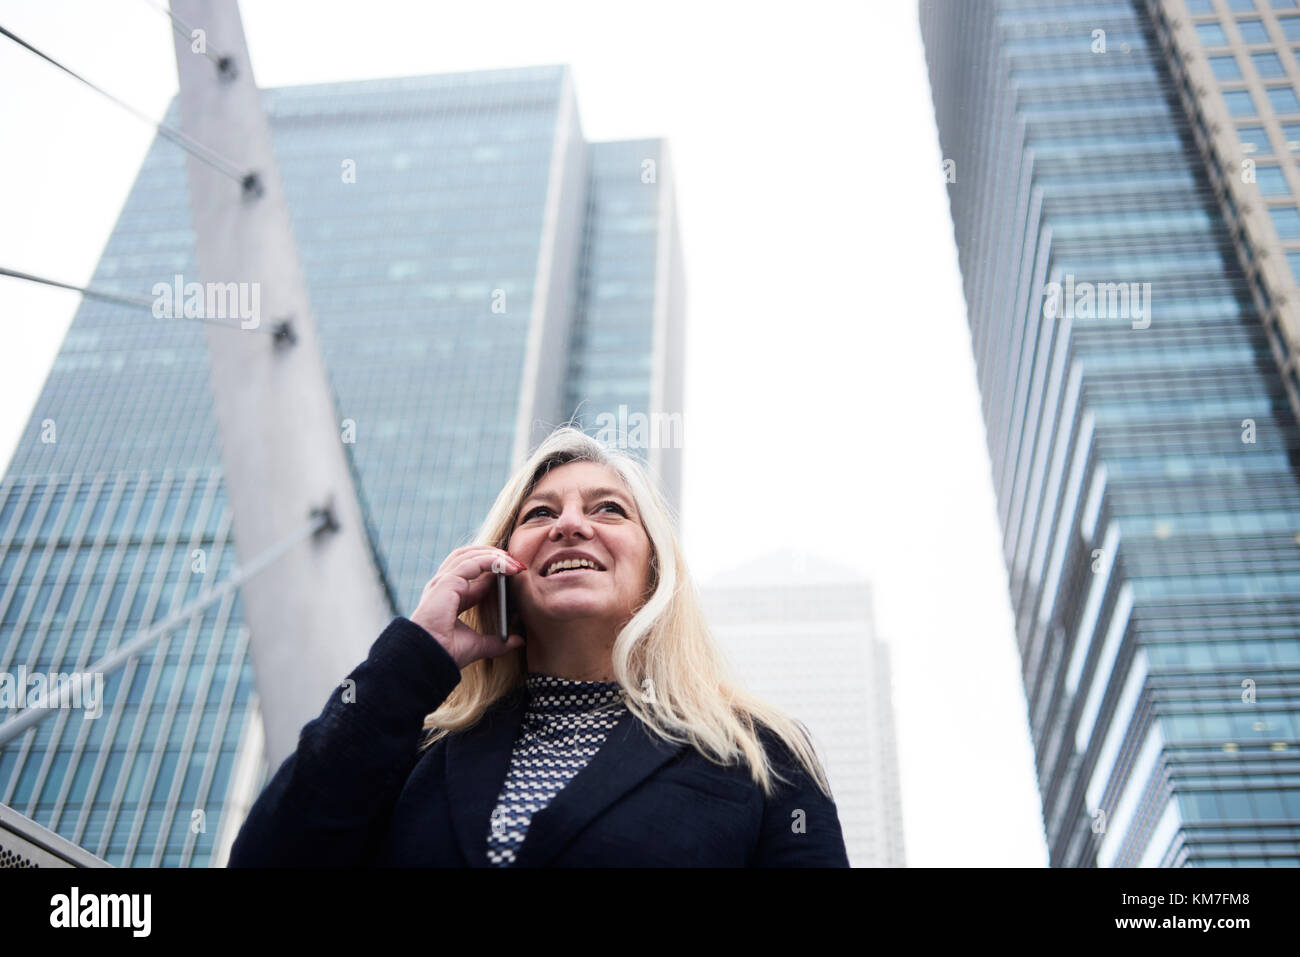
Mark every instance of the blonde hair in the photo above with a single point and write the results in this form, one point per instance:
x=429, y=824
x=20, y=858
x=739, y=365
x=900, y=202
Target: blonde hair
x=666, y=648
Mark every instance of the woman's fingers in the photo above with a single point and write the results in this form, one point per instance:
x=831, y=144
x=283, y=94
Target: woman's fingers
x=461, y=583
x=479, y=571
x=473, y=561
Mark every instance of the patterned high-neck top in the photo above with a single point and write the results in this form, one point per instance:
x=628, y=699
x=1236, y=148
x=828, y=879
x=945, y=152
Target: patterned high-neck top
x=565, y=723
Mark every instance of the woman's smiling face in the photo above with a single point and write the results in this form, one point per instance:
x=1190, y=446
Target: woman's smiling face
x=584, y=508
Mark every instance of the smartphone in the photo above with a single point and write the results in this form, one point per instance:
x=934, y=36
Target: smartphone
x=501, y=593
x=501, y=598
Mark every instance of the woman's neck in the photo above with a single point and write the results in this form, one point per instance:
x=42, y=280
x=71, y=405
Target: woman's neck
x=578, y=651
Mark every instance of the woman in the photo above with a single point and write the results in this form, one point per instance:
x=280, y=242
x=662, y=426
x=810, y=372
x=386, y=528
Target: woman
x=603, y=732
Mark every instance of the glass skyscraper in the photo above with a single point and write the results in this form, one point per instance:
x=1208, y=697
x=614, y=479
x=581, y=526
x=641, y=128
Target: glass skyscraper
x=1146, y=459
x=478, y=272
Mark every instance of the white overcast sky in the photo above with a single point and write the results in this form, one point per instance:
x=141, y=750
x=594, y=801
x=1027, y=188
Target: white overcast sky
x=826, y=324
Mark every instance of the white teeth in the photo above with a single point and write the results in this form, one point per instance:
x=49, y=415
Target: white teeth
x=571, y=563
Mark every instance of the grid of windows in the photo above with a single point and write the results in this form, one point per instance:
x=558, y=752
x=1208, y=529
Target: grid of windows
x=1266, y=24
x=614, y=325
x=1142, y=445
x=87, y=563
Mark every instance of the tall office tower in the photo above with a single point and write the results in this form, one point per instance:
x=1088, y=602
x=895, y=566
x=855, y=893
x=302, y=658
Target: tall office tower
x=476, y=270
x=626, y=371
x=799, y=632
x=1128, y=321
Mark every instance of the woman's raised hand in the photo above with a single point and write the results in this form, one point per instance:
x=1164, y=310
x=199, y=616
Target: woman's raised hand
x=465, y=579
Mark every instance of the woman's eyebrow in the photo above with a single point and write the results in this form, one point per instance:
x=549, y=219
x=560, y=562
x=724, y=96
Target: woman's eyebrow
x=598, y=492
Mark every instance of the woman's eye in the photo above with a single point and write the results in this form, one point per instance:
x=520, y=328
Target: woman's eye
x=542, y=508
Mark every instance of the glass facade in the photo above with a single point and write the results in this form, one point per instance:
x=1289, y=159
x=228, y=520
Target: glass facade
x=420, y=208
x=614, y=328
x=1143, y=449
x=87, y=562
x=627, y=333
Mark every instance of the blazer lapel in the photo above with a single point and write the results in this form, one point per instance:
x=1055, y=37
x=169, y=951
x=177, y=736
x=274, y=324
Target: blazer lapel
x=629, y=755
x=477, y=761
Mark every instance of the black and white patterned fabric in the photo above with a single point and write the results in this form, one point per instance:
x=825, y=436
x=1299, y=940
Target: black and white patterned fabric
x=565, y=723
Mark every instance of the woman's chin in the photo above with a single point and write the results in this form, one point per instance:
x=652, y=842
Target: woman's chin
x=568, y=607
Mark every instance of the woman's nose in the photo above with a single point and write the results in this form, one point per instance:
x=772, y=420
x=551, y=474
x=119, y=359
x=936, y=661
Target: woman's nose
x=571, y=520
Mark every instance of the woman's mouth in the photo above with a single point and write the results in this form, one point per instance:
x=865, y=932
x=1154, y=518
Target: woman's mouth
x=571, y=566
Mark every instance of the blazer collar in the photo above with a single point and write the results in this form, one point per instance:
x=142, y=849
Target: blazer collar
x=479, y=758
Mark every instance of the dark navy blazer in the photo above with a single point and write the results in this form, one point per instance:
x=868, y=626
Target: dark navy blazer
x=358, y=792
